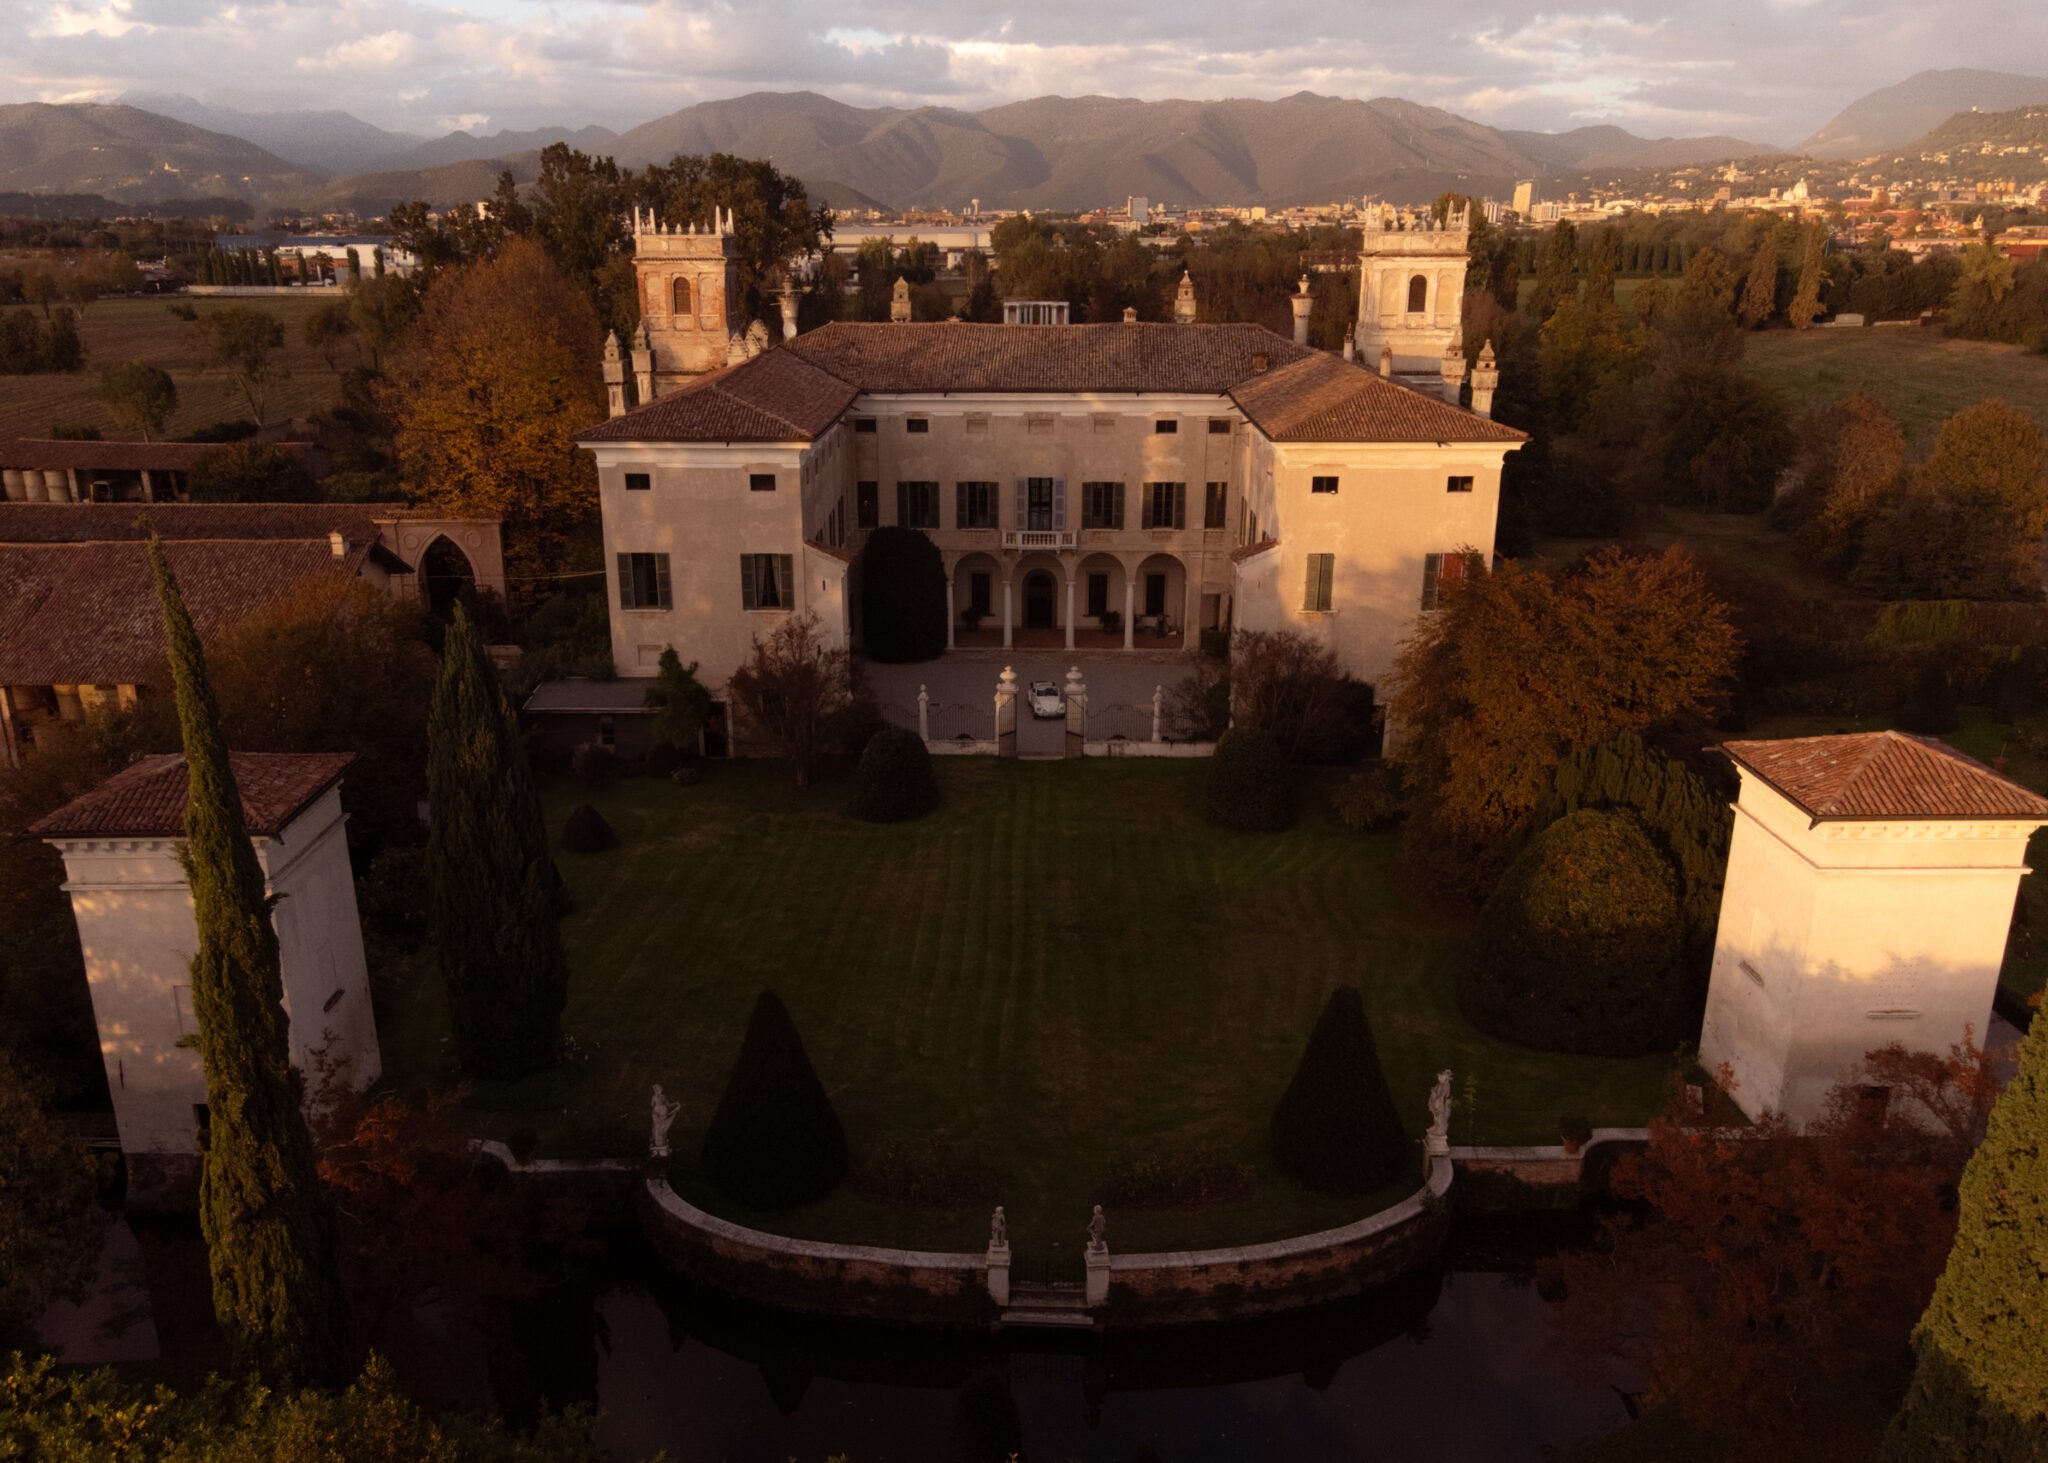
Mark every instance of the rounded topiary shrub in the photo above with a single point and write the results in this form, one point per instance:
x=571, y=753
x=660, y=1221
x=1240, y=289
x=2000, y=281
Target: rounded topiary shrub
x=775, y=1141
x=1580, y=943
x=587, y=832
x=661, y=760
x=902, y=596
x=1371, y=799
x=1251, y=783
x=1929, y=708
x=1335, y=1129
x=894, y=782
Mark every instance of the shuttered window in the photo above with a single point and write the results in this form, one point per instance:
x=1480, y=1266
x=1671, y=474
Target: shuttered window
x=917, y=505
x=1439, y=570
x=1102, y=505
x=1164, y=505
x=1322, y=569
x=767, y=582
x=1215, y=505
x=974, y=505
x=643, y=582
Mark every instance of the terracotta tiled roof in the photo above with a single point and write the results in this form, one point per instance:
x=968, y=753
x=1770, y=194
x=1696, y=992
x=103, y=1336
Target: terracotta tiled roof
x=1323, y=399
x=147, y=799
x=1116, y=358
x=51, y=454
x=1884, y=775
x=1246, y=551
x=75, y=523
x=87, y=613
x=776, y=397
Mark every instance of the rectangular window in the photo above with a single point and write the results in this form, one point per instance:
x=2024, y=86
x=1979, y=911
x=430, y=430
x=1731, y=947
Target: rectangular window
x=1322, y=485
x=917, y=505
x=980, y=584
x=867, y=505
x=1215, y=506
x=767, y=582
x=1155, y=594
x=1098, y=593
x=977, y=424
x=1219, y=426
x=1458, y=485
x=1164, y=505
x=1439, y=570
x=761, y=482
x=1322, y=568
x=1038, y=505
x=974, y=505
x=917, y=424
x=864, y=425
x=1102, y=505
x=643, y=582
x=1166, y=426
x=639, y=482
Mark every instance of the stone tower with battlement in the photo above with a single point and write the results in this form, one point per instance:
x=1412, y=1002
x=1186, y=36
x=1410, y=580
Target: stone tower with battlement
x=1411, y=292
x=689, y=298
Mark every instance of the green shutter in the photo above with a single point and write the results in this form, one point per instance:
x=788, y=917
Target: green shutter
x=786, y=563
x=960, y=514
x=661, y=590
x=1116, y=498
x=1329, y=573
x=1180, y=505
x=1430, y=565
x=1023, y=513
x=626, y=582
x=748, y=598
x=1059, y=504
x=1308, y=588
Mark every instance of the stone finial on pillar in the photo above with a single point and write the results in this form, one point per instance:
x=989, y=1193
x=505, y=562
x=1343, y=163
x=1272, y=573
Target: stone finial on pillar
x=1386, y=360
x=1303, y=302
x=1158, y=713
x=643, y=364
x=899, y=301
x=1452, y=370
x=1184, y=311
x=1077, y=713
x=786, y=298
x=1006, y=713
x=1485, y=381
x=1350, y=348
x=924, y=715
x=614, y=375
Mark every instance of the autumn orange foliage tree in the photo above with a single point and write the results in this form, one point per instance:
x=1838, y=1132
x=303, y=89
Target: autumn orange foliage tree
x=497, y=377
x=1519, y=667
x=1768, y=1278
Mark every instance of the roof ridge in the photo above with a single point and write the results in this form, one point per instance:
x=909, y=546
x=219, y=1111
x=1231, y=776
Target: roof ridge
x=1866, y=757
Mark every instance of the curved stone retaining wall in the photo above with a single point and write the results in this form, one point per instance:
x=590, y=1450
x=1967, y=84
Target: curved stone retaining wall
x=1539, y=1179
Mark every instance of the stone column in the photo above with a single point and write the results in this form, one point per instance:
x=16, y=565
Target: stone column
x=1077, y=713
x=924, y=715
x=1097, y=1293
x=1158, y=707
x=999, y=1275
x=1006, y=713
x=1006, y=612
x=951, y=617
x=1130, y=609
x=1070, y=611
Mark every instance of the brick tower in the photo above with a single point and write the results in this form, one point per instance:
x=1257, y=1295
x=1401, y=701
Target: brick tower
x=689, y=295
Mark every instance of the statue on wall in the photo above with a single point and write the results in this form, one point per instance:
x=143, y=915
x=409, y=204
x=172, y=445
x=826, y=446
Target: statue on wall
x=1097, y=1228
x=664, y=1111
x=998, y=1230
x=1440, y=1110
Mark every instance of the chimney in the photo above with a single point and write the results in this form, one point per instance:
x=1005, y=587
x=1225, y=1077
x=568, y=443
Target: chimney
x=786, y=297
x=1485, y=380
x=614, y=375
x=1130, y=314
x=1303, y=302
x=1386, y=360
x=1260, y=360
x=643, y=364
x=1349, y=346
x=336, y=544
x=1452, y=369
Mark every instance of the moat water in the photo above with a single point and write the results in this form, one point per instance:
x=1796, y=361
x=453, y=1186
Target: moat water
x=1451, y=1364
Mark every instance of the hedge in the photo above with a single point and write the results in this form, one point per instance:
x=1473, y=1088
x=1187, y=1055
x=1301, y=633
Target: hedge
x=894, y=782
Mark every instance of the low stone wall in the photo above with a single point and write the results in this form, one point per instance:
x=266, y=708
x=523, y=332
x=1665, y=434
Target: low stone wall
x=919, y=1287
x=963, y=747
x=1539, y=1179
x=1120, y=747
x=1176, y=1288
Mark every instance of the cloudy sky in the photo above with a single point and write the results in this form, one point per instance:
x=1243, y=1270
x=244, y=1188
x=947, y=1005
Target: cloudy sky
x=1767, y=70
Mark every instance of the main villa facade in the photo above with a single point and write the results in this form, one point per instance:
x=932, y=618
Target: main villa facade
x=1114, y=485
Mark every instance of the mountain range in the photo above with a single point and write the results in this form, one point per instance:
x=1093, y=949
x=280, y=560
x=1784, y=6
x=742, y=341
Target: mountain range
x=1045, y=153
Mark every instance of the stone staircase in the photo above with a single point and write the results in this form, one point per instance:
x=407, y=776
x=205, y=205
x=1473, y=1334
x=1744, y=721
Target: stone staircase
x=1049, y=1307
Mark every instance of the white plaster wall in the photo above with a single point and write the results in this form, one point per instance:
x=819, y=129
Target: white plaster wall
x=136, y=926
x=1862, y=934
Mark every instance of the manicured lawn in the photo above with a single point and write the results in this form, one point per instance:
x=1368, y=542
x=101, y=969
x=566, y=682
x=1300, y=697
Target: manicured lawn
x=146, y=330
x=1922, y=375
x=1062, y=963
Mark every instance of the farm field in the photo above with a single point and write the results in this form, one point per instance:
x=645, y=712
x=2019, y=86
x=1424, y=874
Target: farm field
x=1923, y=376
x=1062, y=964
x=146, y=330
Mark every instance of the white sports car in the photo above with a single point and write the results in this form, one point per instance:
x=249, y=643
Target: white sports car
x=1046, y=701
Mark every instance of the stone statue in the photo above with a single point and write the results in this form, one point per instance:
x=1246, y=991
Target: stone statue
x=665, y=1112
x=998, y=1230
x=1440, y=1109
x=1097, y=1227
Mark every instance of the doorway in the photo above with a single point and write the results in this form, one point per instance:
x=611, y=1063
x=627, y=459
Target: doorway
x=1039, y=592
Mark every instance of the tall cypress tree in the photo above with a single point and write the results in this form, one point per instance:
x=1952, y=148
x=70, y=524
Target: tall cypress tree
x=270, y=1235
x=1980, y=1391
x=1335, y=1129
x=494, y=887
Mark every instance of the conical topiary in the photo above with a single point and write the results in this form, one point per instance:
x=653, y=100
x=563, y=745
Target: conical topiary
x=1335, y=1129
x=587, y=832
x=1250, y=786
x=775, y=1141
x=894, y=782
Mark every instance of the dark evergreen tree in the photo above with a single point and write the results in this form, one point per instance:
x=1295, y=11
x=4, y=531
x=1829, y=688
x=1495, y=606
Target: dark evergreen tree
x=1929, y=708
x=586, y=831
x=902, y=597
x=894, y=782
x=1980, y=1391
x=270, y=1235
x=1335, y=1129
x=1250, y=786
x=774, y=1141
x=1557, y=272
x=494, y=888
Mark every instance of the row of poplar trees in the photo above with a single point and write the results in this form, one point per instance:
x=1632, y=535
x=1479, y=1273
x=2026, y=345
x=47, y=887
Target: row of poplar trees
x=269, y=1227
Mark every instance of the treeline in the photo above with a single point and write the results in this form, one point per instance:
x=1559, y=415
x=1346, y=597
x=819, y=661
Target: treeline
x=31, y=346
x=240, y=266
x=77, y=279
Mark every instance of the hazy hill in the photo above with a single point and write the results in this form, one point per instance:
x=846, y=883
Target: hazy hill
x=327, y=142
x=1586, y=148
x=1888, y=119
x=371, y=194
x=131, y=155
x=462, y=147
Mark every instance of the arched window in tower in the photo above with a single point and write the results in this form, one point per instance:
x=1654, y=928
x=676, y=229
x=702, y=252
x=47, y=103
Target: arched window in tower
x=1418, y=295
x=681, y=303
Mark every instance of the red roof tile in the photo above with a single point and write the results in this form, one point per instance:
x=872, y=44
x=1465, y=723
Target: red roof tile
x=775, y=397
x=147, y=799
x=1324, y=399
x=1884, y=775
